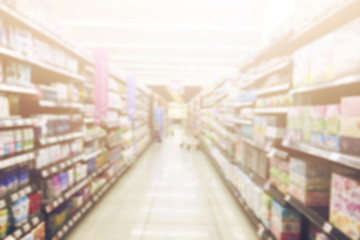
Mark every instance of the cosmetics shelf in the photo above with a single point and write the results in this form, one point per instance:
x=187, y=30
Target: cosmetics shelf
x=22, y=192
x=273, y=110
x=7, y=11
x=58, y=167
x=70, y=192
x=86, y=207
x=275, y=89
x=25, y=228
x=15, y=160
x=56, y=139
x=339, y=158
x=20, y=89
x=35, y=63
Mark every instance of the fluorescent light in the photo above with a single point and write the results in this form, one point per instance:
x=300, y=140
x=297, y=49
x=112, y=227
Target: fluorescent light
x=163, y=46
x=160, y=26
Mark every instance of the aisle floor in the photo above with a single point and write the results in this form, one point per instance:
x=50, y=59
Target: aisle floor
x=169, y=193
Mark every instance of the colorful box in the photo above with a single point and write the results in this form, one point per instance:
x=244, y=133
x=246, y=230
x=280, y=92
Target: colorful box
x=345, y=205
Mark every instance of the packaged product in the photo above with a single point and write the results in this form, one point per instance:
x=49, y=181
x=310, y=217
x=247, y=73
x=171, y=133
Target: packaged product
x=285, y=222
x=20, y=210
x=4, y=106
x=332, y=120
x=39, y=232
x=345, y=205
x=4, y=215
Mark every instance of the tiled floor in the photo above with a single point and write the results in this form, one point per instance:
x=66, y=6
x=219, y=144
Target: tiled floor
x=169, y=194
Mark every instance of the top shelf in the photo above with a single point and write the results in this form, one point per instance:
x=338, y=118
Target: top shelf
x=7, y=11
x=334, y=18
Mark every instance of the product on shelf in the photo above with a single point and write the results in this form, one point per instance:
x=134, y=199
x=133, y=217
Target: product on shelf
x=265, y=209
x=330, y=57
x=279, y=171
x=350, y=129
x=17, y=73
x=284, y=100
x=4, y=106
x=345, y=205
x=285, y=222
x=309, y=181
x=4, y=218
x=15, y=141
x=20, y=211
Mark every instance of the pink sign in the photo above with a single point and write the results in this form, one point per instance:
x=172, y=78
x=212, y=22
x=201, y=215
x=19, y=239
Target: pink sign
x=101, y=84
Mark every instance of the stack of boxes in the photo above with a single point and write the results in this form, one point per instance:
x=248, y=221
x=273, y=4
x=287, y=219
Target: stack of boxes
x=285, y=222
x=265, y=209
x=318, y=126
x=309, y=182
x=279, y=171
x=350, y=125
x=345, y=205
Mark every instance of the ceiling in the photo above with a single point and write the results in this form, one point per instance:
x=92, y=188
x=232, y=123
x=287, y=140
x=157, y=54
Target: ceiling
x=160, y=41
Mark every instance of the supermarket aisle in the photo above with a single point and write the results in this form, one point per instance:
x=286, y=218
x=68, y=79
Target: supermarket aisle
x=170, y=193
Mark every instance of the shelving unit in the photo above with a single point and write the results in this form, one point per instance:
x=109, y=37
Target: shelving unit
x=77, y=160
x=247, y=163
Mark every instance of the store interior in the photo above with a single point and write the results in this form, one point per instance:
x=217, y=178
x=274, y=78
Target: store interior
x=180, y=120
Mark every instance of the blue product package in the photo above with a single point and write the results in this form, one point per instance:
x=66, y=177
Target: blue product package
x=63, y=180
x=332, y=143
x=284, y=213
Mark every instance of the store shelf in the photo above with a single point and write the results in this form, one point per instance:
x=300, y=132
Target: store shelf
x=93, y=138
x=272, y=70
x=22, y=192
x=272, y=110
x=86, y=207
x=275, y=89
x=241, y=121
x=15, y=160
x=349, y=80
x=261, y=229
x=25, y=228
x=339, y=158
x=244, y=104
x=20, y=89
x=16, y=122
x=252, y=143
x=331, y=19
x=7, y=11
x=53, y=104
x=93, y=154
x=60, y=166
x=316, y=219
x=45, y=66
x=56, y=139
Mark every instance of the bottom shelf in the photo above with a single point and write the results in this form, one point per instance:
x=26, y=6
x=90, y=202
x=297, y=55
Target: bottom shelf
x=91, y=202
x=262, y=231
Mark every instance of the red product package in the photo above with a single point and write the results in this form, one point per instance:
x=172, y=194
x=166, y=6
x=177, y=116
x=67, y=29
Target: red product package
x=35, y=202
